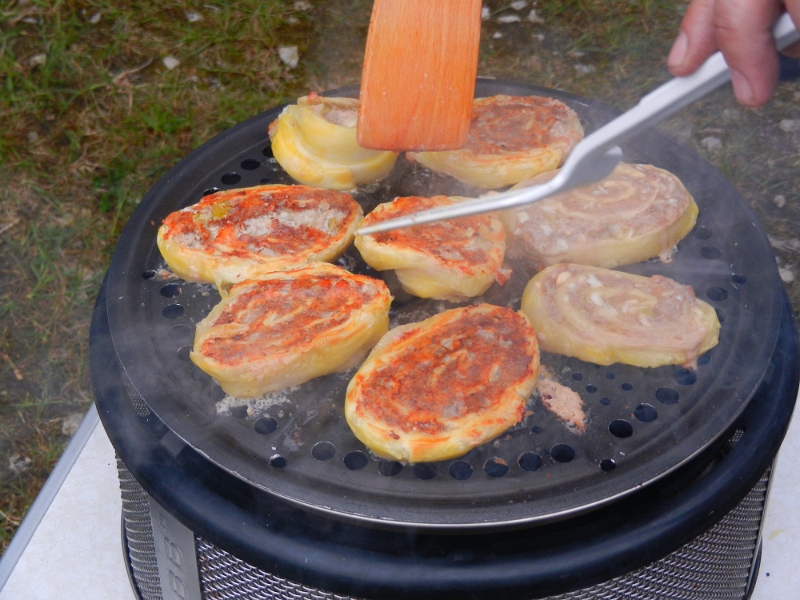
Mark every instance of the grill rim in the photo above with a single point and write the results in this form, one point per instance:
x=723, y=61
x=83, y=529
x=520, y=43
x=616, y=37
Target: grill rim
x=260, y=537
x=420, y=516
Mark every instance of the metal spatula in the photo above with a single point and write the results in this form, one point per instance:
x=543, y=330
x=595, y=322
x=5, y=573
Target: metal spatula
x=597, y=154
x=418, y=79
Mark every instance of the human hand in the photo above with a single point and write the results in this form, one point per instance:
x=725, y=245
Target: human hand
x=742, y=31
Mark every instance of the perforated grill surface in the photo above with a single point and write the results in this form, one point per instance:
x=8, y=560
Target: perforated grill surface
x=714, y=566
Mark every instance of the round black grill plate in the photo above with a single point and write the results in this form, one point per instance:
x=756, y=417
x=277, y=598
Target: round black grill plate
x=643, y=423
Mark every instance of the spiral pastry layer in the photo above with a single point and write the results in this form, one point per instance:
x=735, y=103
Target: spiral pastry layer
x=603, y=316
x=447, y=260
x=291, y=326
x=433, y=390
x=636, y=213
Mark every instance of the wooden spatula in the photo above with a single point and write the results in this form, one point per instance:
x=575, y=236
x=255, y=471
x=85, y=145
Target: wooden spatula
x=418, y=79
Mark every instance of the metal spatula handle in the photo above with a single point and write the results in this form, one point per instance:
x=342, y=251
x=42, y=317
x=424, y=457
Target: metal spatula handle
x=597, y=154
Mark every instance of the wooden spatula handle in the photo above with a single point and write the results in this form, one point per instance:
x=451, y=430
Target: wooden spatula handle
x=419, y=72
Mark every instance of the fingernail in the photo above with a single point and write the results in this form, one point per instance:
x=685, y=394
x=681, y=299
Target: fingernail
x=741, y=87
x=678, y=52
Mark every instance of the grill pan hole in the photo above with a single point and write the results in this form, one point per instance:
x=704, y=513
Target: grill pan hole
x=645, y=413
x=265, y=180
x=685, y=376
x=610, y=375
x=530, y=461
x=424, y=471
x=703, y=233
x=277, y=461
x=577, y=376
x=355, y=460
x=740, y=279
x=389, y=468
x=323, y=451
x=250, y=164
x=170, y=290
x=608, y=464
x=591, y=388
x=181, y=332
x=183, y=353
x=495, y=467
x=267, y=152
x=705, y=359
x=710, y=252
x=148, y=274
x=563, y=453
x=627, y=387
x=230, y=178
x=211, y=190
x=172, y=311
x=620, y=428
x=239, y=412
x=265, y=425
x=717, y=294
x=605, y=401
x=720, y=315
x=536, y=430
x=460, y=470
x=667, y=395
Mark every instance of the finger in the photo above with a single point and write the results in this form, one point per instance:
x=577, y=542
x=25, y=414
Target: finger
x=743, y=31
x=696, y=40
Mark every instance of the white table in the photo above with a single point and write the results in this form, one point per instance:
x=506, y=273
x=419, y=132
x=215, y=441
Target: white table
x=76, y=551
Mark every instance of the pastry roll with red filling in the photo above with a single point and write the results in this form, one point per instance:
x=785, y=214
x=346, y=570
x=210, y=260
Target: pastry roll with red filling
x=287, y=327
x=605, y=316
x=447, y=260
x=511, y=139
x=434, y=390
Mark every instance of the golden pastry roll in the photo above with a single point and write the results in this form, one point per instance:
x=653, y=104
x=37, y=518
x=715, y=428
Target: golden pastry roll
x=447, y=260
x=636, y=213
x=511, y=139
x=288, y=327
x=604, y=317
x=433, y=390
x=238, y=234
x=315, y=143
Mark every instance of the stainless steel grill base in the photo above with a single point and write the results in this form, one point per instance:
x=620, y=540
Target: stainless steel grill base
x=718, y=565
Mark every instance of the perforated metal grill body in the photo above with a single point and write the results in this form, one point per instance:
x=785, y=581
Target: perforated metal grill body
x=717, y=565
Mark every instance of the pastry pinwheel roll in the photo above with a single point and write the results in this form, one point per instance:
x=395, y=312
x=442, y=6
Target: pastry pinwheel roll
x=511, y=139
x=636, y=213
x=446, y=260
x=605, y=316
x=434, y=390
x=235, y=235
x=287, y=327
x=315, y=142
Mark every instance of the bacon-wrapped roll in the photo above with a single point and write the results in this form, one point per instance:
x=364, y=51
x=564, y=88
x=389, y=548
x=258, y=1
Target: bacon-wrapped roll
x=636, y=213
x=315, y=142
x=433, y=390
x=511, y=139
x=287, y=327
x=235, y=235
x=447, y=260
x=604, y=316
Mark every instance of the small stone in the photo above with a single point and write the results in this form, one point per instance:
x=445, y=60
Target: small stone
x=497, y=35
x=533, y=17
x=193, y=17
x=790, y=125
x=32, y=136
x=289, y=55
x=539, y=37
x=786, y=275
x=780, y=200
x=37, y=59
x=70, y=424
x=95, y=18
x=712, y=144
x=509, y=19
x=584, y=69
x=18, y=463
x=519, y=4
x=303, y=5
x=170, y=62
x=485, y=13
